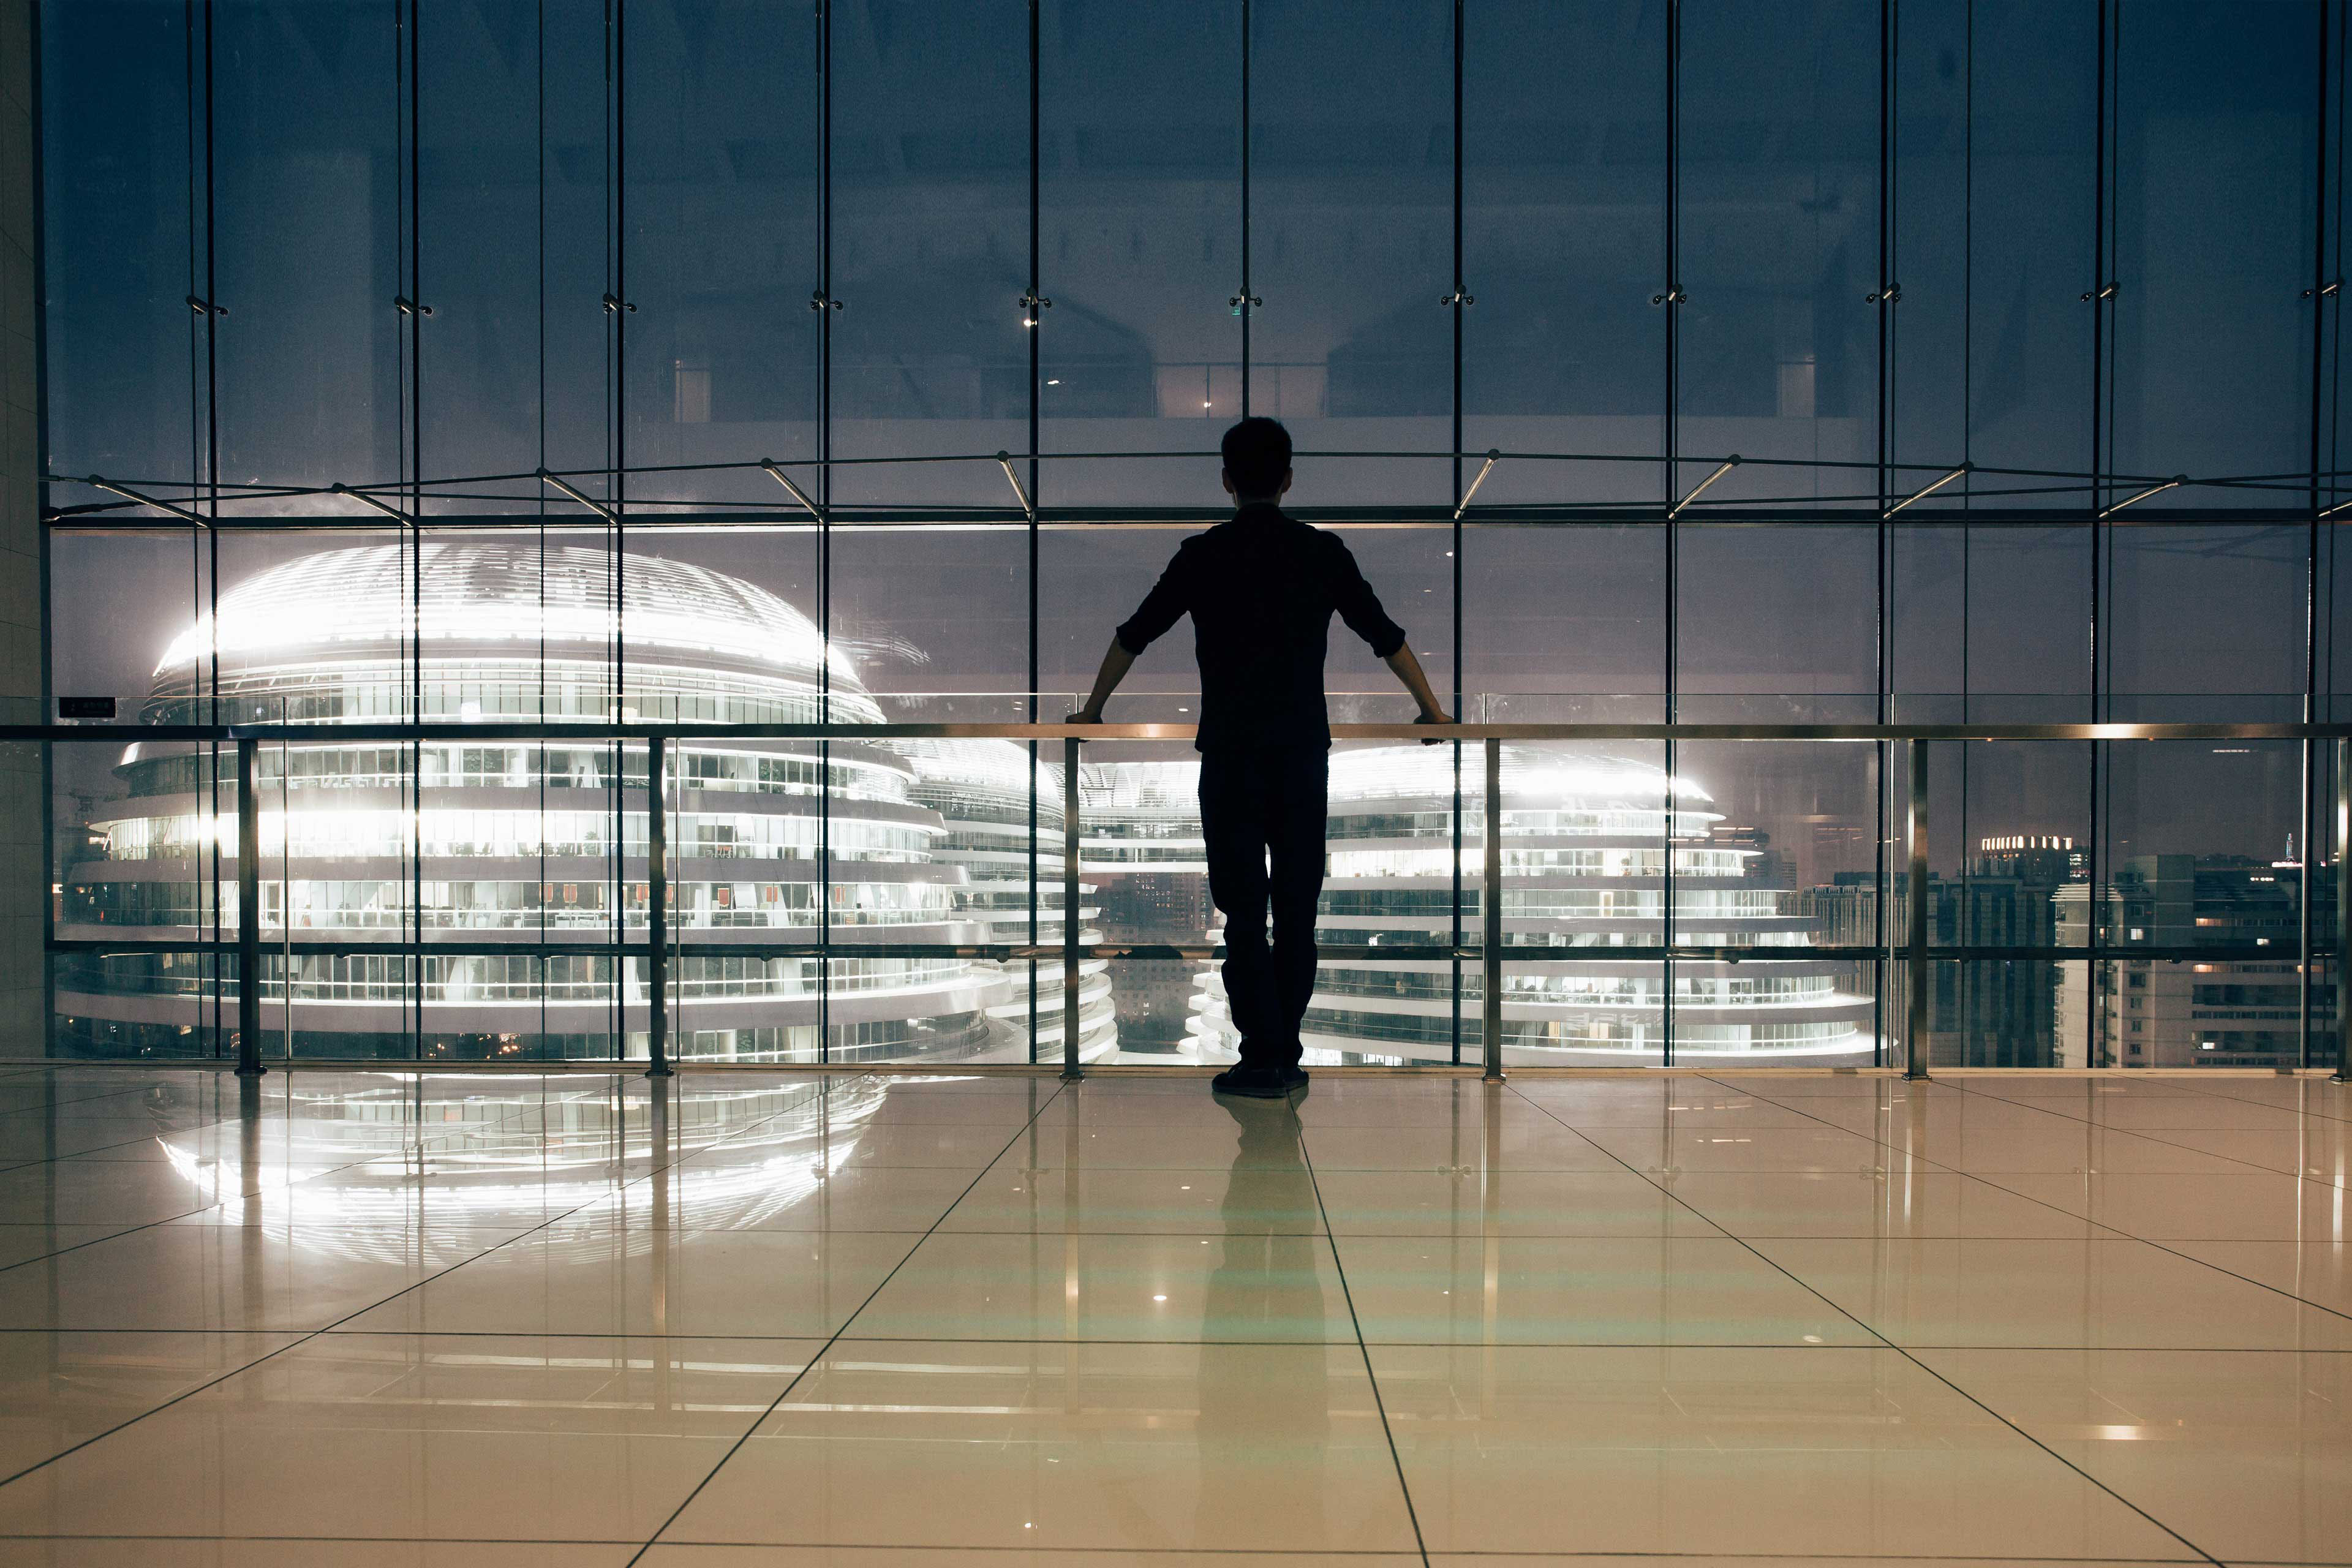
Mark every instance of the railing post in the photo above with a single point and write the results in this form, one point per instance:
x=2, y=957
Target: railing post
x=1490, y=922
x=248, y=912
x=2343, y=908
x=1915, y=1046
x=657, y=907
x=1071, y=1071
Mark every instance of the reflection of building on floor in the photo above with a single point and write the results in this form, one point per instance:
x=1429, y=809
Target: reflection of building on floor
x=1584, y=858
x=520, y=849
x=2237, y=1009
x=1984, y=1013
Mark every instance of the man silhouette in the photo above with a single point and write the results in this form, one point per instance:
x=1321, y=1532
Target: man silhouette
x=1260, y=589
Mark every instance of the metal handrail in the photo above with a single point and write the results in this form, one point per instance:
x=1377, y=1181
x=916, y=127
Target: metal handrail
x=1914, y=951
x=464, y=731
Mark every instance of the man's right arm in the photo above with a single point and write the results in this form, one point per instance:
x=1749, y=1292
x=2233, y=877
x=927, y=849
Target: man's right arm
x=1361, y=608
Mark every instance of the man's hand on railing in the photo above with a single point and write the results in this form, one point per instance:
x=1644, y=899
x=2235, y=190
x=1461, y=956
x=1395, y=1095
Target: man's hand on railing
x=1433, y=716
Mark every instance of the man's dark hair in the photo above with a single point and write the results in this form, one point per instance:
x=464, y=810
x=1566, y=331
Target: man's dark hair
x=1257, y=454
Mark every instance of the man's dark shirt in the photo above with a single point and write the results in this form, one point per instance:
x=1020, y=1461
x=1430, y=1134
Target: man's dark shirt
x=1261, y=589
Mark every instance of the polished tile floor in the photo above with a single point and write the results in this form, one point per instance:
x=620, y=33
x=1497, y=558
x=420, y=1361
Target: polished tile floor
x=399, y=1319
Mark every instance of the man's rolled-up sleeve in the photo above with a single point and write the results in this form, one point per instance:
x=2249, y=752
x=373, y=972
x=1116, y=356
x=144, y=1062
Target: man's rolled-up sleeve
x=1169, y=598
x=1359, y=606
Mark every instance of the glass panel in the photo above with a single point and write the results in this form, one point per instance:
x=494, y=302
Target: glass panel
x=1584, y=847
x=137, y=860
x=723, y=239
x=1139, y=192
x=1810, y=1013
x=1777, y=622
x=480, y=207
x=1412, y=570
x=1090, y=579
x=1352, y=242
x=1928, y=359
x=1776, y=848
x=1564, y=242
x=2216, y=109
x=1560, y=614
x=1991, y=623
x=321, y=628
x=2033, y=178
x=1391, y=885
x=2009, y=842
x=306, y=242
x=2206, y=623
x=577, y=332
x=930, y=246
x=2219, y=1013
x=2202, y=845
x=92, y=578
x=1778, y=235
x=934, y=622
x=1147, y=882
x=118, y=183
x=134, y=831
x=1995, y=1014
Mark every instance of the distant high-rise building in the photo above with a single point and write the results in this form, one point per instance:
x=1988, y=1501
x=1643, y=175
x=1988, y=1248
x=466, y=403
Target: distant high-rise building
x=1986, y=1012
x=2237, y=1008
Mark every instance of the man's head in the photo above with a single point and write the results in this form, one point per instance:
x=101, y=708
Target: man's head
x=1257, y=460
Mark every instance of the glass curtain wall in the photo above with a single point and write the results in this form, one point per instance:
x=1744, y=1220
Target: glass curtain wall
x=727, y=362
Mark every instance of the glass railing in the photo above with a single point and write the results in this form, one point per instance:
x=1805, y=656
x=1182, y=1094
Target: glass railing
x=1724, y=895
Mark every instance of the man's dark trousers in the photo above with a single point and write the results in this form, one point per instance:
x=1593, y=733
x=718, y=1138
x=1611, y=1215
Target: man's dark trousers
x=1262, y=812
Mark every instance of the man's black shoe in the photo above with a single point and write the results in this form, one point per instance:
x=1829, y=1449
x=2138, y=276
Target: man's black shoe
x=1253, y=1082
x=1294, y=1078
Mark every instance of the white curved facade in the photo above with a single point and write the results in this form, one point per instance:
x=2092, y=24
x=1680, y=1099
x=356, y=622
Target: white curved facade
x=982, y=791
x=523, y=843
x=497, y=850
x=1584, y=851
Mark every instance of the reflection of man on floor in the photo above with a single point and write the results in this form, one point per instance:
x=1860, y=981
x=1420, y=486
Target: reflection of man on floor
x=1266, y=1404
x=1262, y=589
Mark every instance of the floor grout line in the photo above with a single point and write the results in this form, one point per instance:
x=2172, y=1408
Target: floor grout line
x=1900, y=1351
x=1036, y=1111
x=1371, y=1375
x=2119, y=1233
x=1877, y=1342
x=169, y=1220
x=610, y=1334
x=2176, y=1086
x=303, y=1337
x=2152, y=1137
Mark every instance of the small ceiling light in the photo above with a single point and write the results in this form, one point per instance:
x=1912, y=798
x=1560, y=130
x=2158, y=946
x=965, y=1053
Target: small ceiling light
x=1053, y=381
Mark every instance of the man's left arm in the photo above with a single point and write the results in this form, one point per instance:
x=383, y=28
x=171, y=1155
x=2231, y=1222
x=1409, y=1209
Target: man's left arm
x=1361, y=608
x=1116, y=662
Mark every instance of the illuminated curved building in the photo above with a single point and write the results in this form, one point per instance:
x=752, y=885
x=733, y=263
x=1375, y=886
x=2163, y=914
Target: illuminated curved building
x=502, y=845
x=1584, y=851
x=981, y=790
